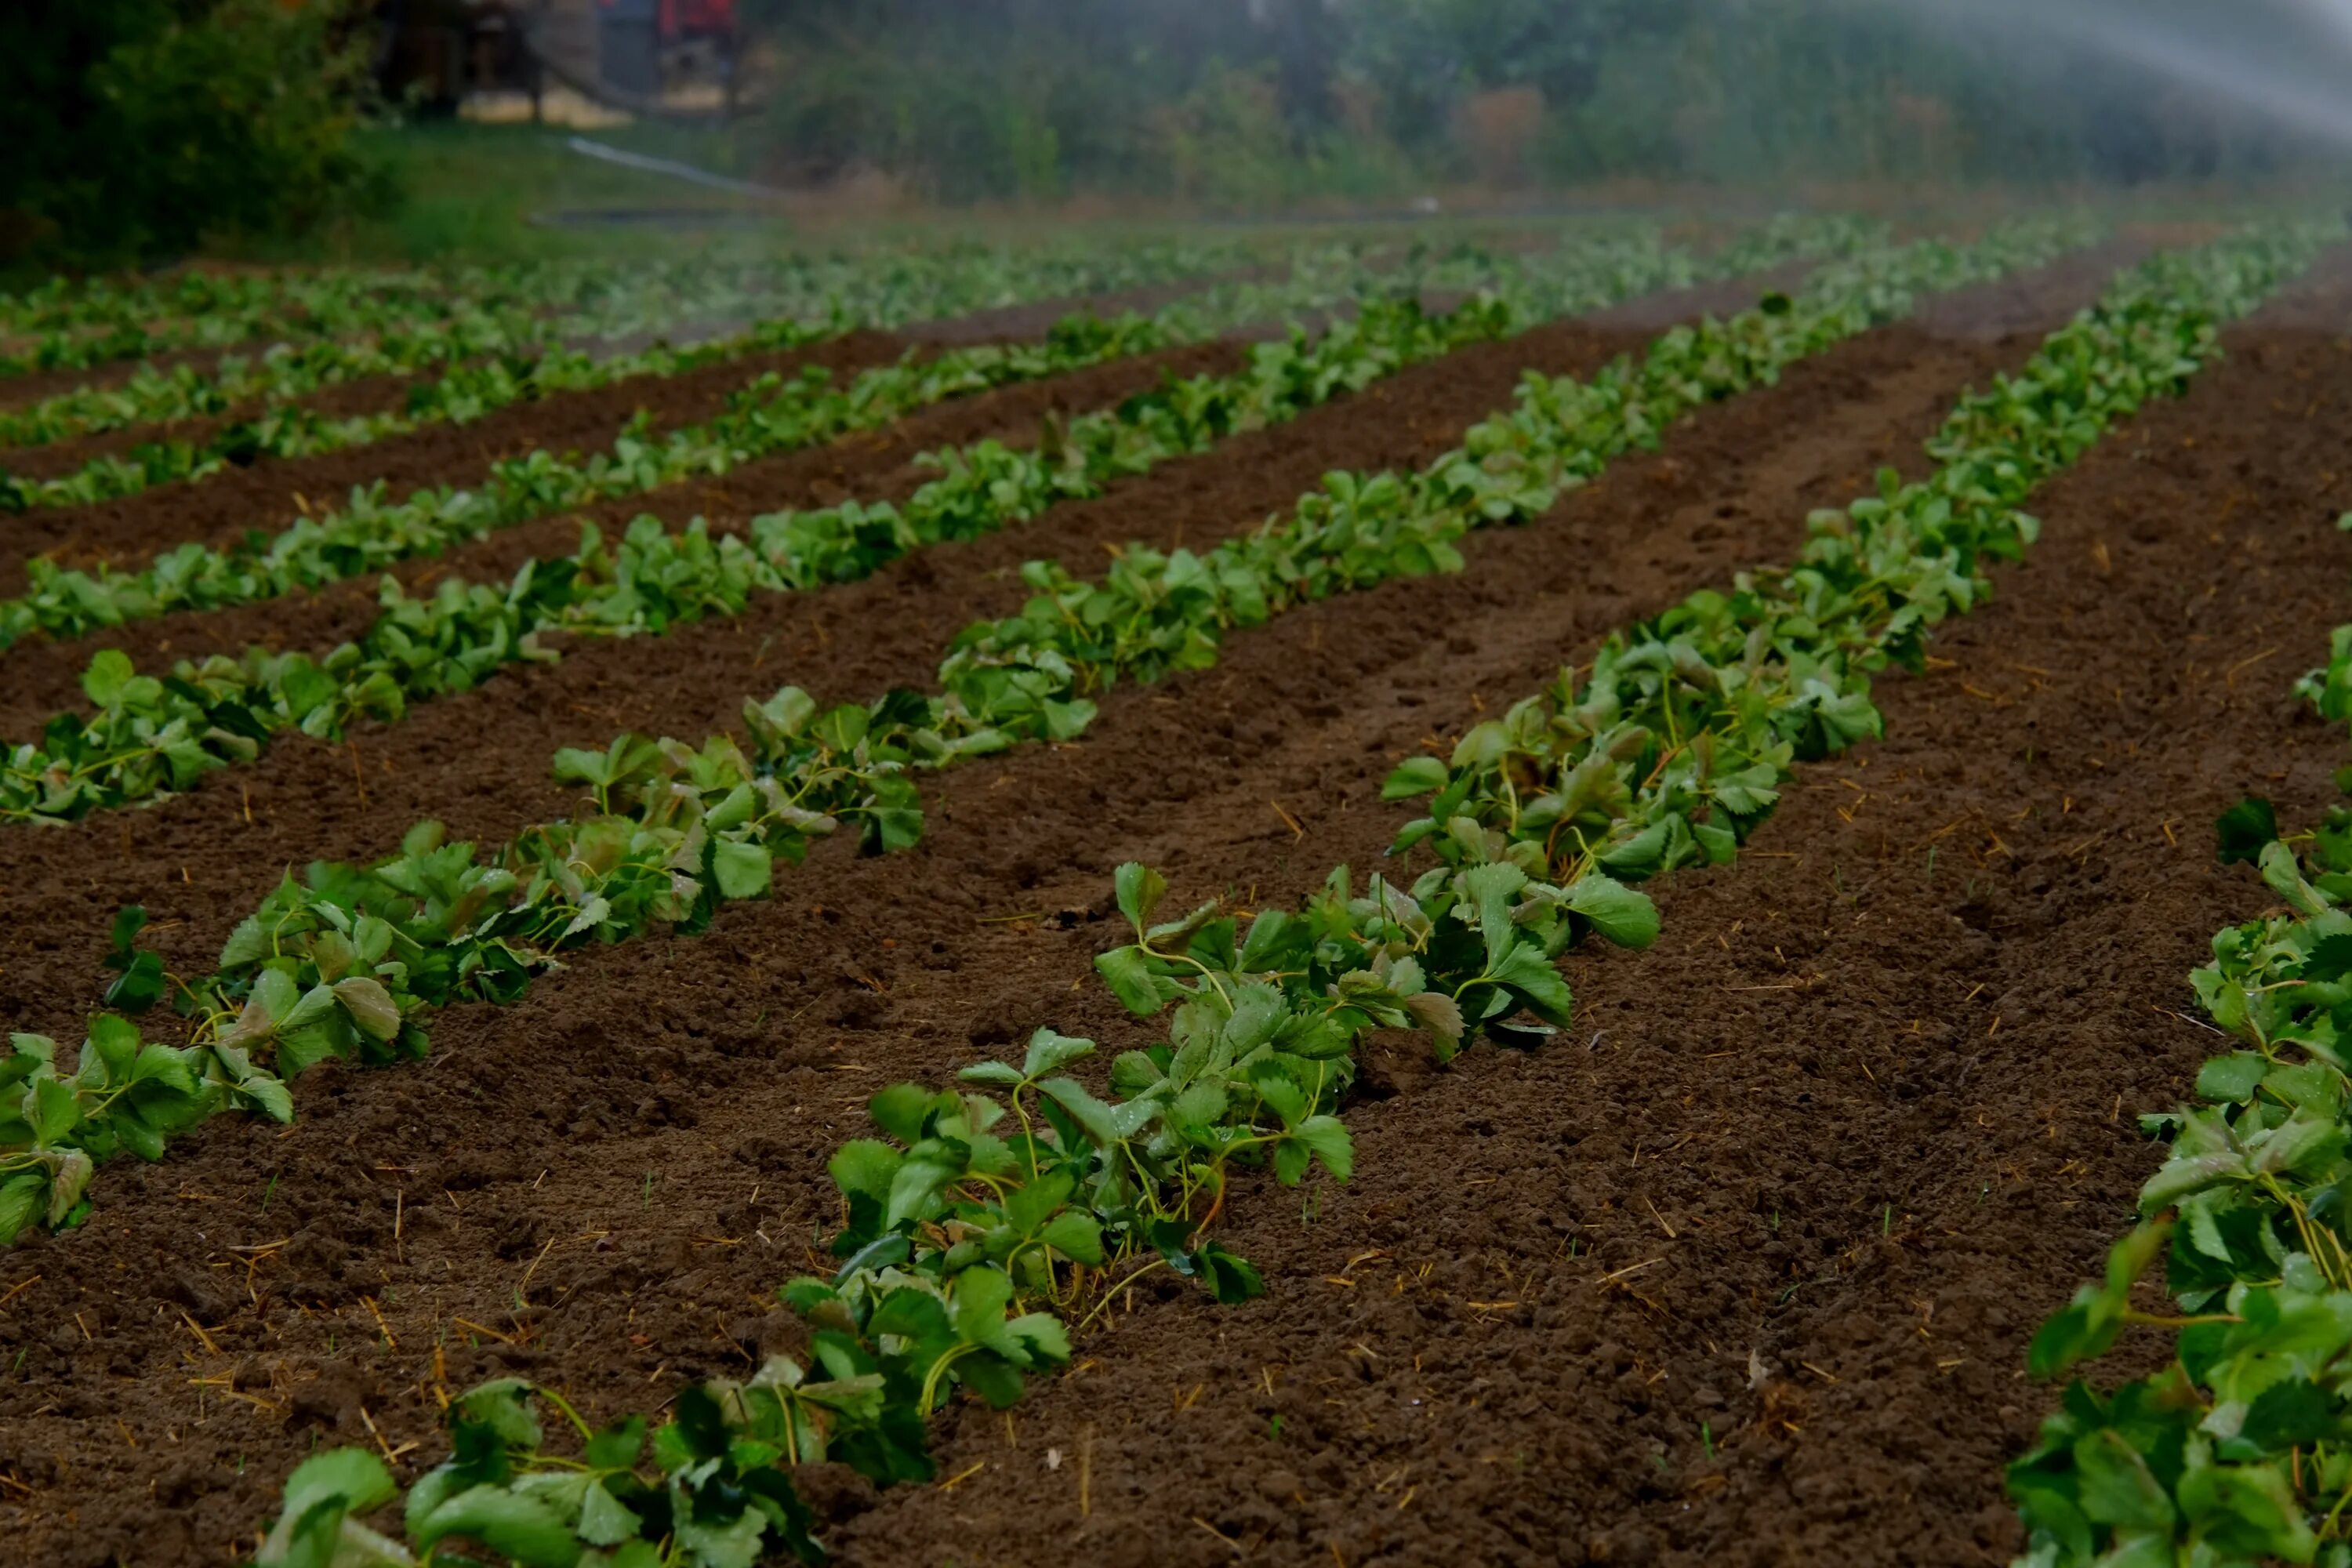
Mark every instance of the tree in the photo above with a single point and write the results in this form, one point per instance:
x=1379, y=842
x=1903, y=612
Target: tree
x=135, y=128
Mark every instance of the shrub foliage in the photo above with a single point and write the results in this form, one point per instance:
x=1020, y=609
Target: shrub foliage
x=136, y=128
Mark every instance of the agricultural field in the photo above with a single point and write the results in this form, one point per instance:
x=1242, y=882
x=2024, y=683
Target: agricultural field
x=1621, y=890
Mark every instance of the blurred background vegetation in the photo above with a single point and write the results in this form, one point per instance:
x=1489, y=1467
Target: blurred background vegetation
x=137, y=128
x=1252, y=103
x=147, y=129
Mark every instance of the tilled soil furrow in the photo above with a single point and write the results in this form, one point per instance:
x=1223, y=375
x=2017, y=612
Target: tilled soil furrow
x=657, y=1166
x=868, y=466
x=222, y=845
x=1741, y=1268
x=388, y=393
x=200, y=862
x=877, y=465
x=340, y=400
x=273, y=494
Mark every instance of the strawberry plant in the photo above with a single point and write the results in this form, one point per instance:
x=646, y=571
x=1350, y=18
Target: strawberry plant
x=705, y=1490
x=151, y=738
x=986, y=1218
x=2328, y=690
x=774, y=414
x=2240, y=1450
x=512, y=360
x=125, y=1095
x=681, y=831
x=139, y=982
x=1673, y=746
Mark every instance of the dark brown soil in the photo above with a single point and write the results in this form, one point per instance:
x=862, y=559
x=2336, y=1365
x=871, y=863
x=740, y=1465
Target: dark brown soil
x=226, y=841
x=17, y=391
x=879, y=466
x=388, y=393
x=872, y=467
x=662, y=1111
x=367, y=395
x=270, y=495
x=876, y=465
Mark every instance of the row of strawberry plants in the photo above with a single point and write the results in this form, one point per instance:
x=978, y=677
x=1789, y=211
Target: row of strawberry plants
x=610, y=300
x=992, y=1212
x=509, y=359
x=341, y=306
x=104, y=301
x=153, y=735
x=309, y=295
x=289, y=370
x=774, y=415
x=2238, y=1450
x=197, y=311
x=150, y=736
x=985, y=1224
x=349, y=965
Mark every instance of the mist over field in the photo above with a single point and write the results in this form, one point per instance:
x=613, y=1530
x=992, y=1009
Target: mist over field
x=1256, y=102
x=143, y=129
x=2283, y=65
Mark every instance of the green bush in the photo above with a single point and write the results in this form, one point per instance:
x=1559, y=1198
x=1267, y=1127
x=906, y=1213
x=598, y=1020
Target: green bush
x=137, y=128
